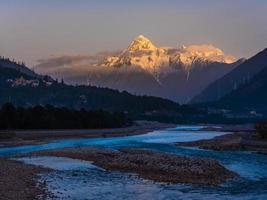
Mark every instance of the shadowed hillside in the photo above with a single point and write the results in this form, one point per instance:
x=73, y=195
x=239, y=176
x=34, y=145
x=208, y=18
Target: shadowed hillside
x=231, y=81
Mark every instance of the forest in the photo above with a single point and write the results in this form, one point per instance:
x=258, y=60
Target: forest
x=50, y=117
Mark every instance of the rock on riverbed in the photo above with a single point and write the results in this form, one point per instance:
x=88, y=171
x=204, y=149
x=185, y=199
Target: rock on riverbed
x=161, y=167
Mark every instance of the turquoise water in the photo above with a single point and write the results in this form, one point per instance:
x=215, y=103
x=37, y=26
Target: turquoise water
x=81, y=180
x=168, y=136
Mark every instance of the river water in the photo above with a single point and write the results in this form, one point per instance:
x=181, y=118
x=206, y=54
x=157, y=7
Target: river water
x=81, y=180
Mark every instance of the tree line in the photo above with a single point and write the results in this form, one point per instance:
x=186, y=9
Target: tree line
x=50, y=117
x=8, y=60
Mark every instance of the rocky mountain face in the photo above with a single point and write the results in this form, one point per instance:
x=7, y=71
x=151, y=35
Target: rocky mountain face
x=143, y=68
x=241, y=75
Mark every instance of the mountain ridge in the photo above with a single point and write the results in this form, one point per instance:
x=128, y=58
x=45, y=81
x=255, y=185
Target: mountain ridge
x=229, y=82
x=249, y=96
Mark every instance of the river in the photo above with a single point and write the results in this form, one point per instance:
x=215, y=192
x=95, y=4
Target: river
x=81, y=180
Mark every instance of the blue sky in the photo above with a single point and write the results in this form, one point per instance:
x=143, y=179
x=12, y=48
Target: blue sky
x=34, y=29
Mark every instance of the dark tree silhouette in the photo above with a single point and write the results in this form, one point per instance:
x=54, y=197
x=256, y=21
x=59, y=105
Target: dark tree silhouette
x=50, y=117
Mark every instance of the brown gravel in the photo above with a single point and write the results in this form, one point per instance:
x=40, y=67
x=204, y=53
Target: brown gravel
x=224, y=142
x=161, y=167
x=234, y=141
x=18, y=181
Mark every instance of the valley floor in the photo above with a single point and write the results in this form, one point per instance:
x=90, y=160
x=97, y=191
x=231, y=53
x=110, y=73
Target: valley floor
x=17, y=185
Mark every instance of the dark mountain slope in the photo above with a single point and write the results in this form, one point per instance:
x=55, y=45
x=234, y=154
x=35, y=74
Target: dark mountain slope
x=240, y=75
x=20, y=67
x=250, y=96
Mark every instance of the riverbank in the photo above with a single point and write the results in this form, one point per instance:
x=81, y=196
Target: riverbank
x=238, y=138
x=159, y=167
x=19, y=181
x=25, y=137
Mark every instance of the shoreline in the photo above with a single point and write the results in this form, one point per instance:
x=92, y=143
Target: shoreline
x=151, y=165
x=28, y=137
x=235, y=140
x=16, y=185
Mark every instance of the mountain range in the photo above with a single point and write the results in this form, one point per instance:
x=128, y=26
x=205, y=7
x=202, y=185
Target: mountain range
x=143, y=68
x=240, y=90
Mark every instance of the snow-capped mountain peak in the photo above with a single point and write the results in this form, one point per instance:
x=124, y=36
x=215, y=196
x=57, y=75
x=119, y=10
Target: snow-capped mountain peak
x=207, y=52
x=141, y=43
x=143, y=54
